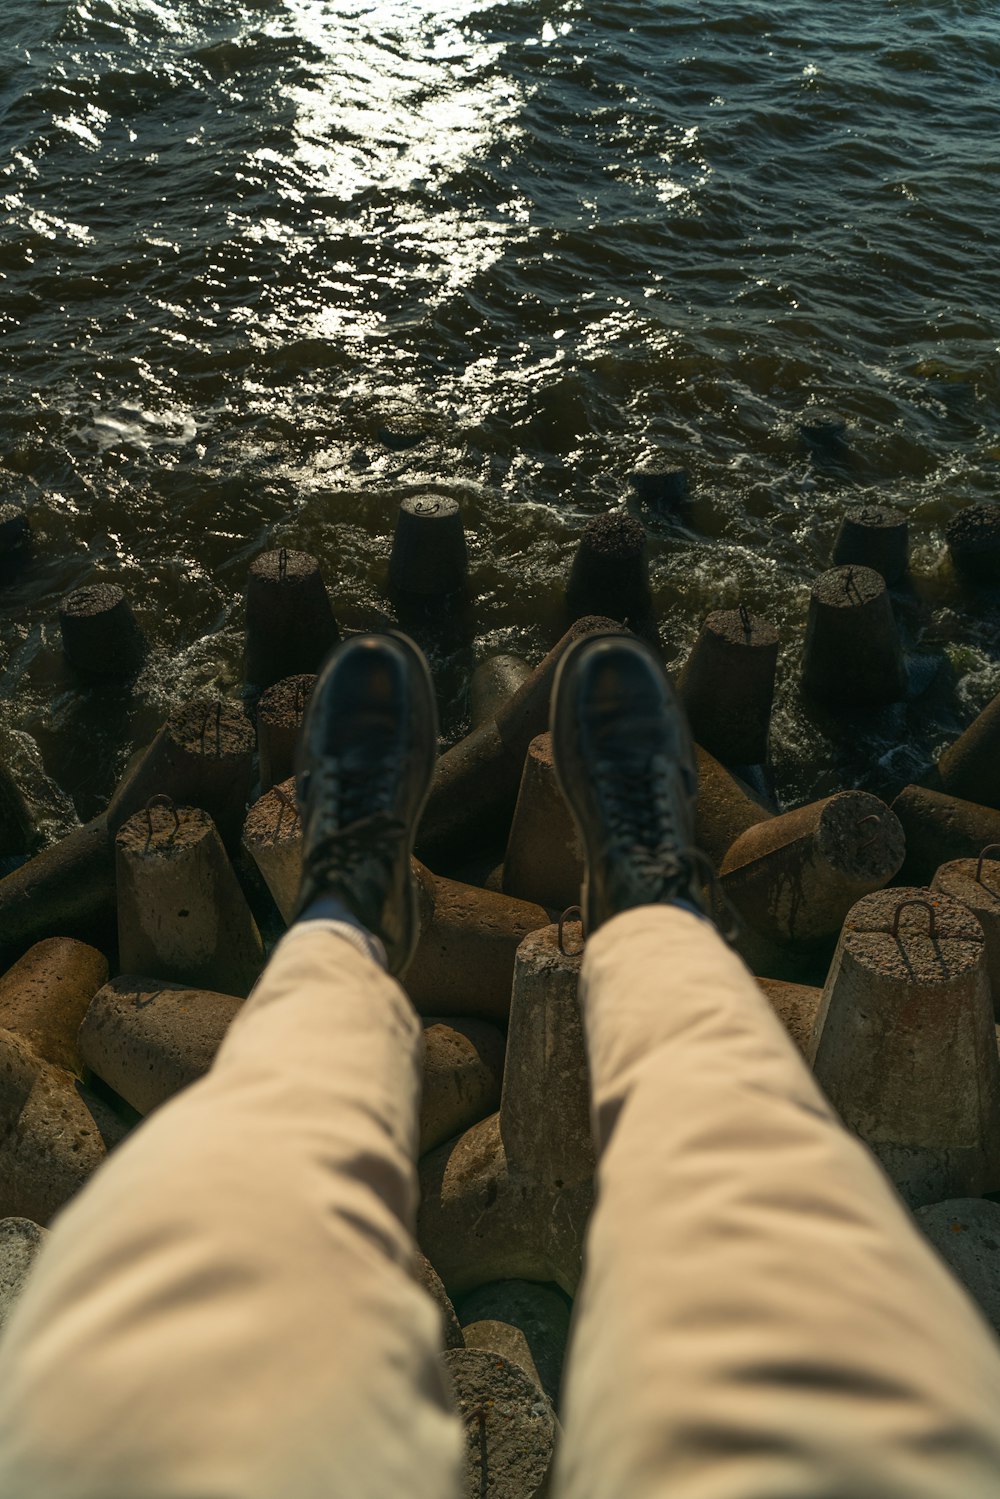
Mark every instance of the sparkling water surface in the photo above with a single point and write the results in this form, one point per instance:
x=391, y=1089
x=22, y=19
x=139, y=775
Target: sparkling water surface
x=243, y=244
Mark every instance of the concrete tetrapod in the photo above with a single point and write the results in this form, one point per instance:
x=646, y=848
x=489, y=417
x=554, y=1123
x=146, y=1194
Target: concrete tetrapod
x=44, y=997
x=181, y=913
x=510, y=1429
x=67, y=889
x=476, y=782
x=100, y=635
x=794, y=879
x=289, y=622
x=726, y=807
x=528, y=1323
x=202, y=757
x=272, y=836
x=510, y=1199
x=544, y=858
x=50, y=1142
x=873, y=536
x=15, y=540
x=796, y=1006
x=973, y=537
x=429, y=556
x=727, y=686
x=905, y=1047
x=965, y=1231
x=976, y=883
x=852, y=652
x=940, y=828
x=610, y=573
x=494, y=682
x=148, y=1039
x=970, y=767
x=463, y=1075
x=20, y=1241
x=280, y=714
x=425, y=1275
x=469, y=937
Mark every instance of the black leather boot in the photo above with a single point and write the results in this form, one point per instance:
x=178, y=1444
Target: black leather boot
x=625, y=761
x=365, y=764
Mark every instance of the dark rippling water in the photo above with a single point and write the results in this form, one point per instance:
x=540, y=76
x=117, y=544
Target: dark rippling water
x=241, y=239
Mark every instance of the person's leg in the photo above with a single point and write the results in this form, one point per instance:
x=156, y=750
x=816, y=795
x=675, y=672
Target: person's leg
x=227, y=1311
x=759, y=1317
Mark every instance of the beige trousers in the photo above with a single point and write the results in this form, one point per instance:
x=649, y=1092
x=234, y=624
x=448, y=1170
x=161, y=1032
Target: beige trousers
x=226, y=1311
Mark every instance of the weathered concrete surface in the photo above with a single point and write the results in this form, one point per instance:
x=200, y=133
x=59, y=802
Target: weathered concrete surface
x=526, y=1322
x=464, y=962
x=49, y=1142
x=68, y=890
x=289, y=621
x=544, y=858
x=476, y=782
x=795, y=877
x=873, y=536
x=725, y=808
x=970, y=767
x=510, y=1428
x=940, y=828
x=796, y=1006
x=280, y=715
x=426, y=1276
x=20, y=1241
x=201, y=757
x=727, y=686
x=852, y=652
x=44, y=997
x=147, y=1039
x=181, y=913
x=982, y=896
x=510, y=1198
x=272, y=837
x=494, y=683
x=965, y=1231
x=463, y=1073
x=905, y=1044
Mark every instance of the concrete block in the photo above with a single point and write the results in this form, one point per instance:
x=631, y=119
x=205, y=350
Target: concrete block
x=272, y=837
x=20, y=1241
x=526, y=1322
x=44, y=997
x=464, y=962
x=476, y=782
x=610, y=574
x=510, y=1198
x=147, y=1039
x=965, y=1231
x=976, y=883
x=100, y=635
x=970, y=767
x=726, y=807
x=427, y=1277
x=940, y=828
x=853, y=654
x=280, y=714
x=973, y=537
x=181, y=913
x=49, y=1142
x=66, y=890
x=727, y=686
x=544, y=859
x=429, y=557
x=905, y=1045
x=795, y=877
x=874, y=536
x=289, y=622
x=463, y=1074
x=202, y=757
x=796, y=1006
x=510, y=1428
x=494, y=683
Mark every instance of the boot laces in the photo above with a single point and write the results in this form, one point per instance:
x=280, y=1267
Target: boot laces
x=642, y=828
x=356, y=822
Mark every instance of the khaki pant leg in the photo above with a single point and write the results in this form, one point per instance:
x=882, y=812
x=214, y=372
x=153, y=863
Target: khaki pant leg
x=759, y=1318
x=226, y=1311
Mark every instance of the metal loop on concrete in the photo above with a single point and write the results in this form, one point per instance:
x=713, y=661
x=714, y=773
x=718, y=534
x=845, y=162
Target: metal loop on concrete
x=932, y=926
x=571, y=913
x=876, y=818
x=282, y=564
x=218, y=728
x=161, y=799
x=300, y=697
x=426, y=507
x=746, y=621
x=982, y=859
